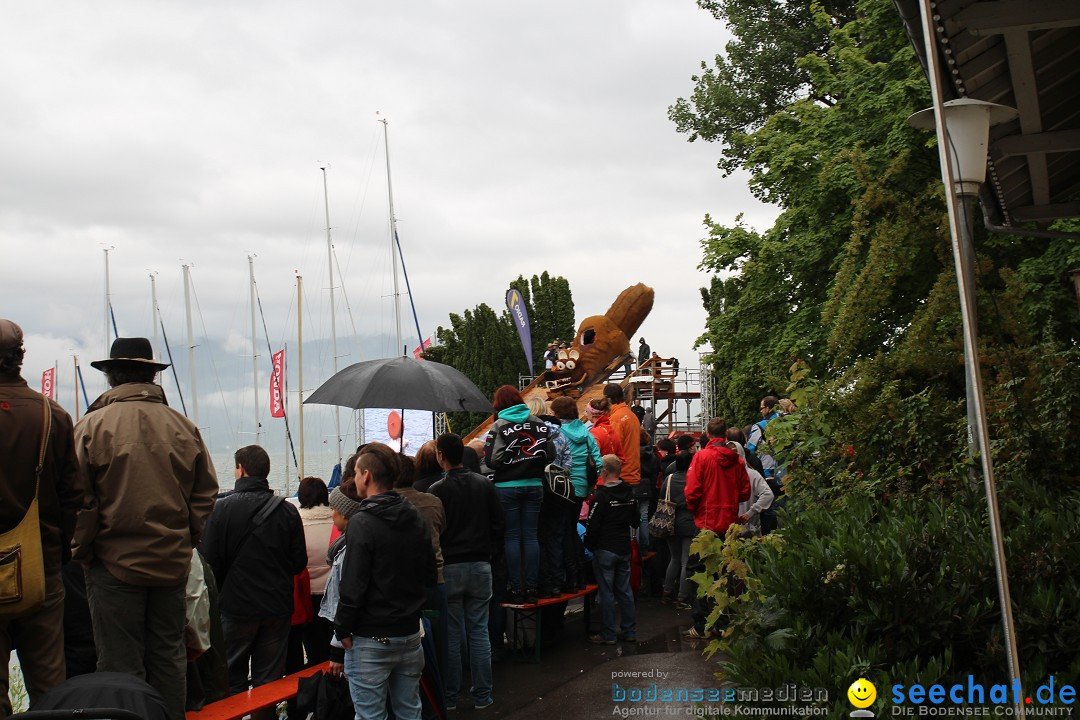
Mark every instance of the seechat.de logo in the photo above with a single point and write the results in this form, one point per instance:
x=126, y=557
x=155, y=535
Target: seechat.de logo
x=862, y=695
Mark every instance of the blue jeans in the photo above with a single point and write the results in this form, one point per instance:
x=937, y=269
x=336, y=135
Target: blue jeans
x=613, y=579
x=675, y=580
x=375, y=669
x=468, y=591
x=521, y=505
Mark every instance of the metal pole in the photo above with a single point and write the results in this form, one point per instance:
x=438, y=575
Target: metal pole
x=254, y=349
x=153, y=314
x=971, y=358
x=76, y=359
x=191, y=346
x=393, y=238
x=967, y=263
x=300, y=360
x=333, y=320
x=108, y=302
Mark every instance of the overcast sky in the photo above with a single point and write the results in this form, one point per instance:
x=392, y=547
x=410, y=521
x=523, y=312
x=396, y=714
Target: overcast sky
x=523, y=138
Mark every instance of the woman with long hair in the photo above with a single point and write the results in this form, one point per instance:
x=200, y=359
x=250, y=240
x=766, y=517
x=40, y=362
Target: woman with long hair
x=517, y=450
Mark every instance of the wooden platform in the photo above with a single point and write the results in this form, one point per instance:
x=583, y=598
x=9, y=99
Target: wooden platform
x=527, y=620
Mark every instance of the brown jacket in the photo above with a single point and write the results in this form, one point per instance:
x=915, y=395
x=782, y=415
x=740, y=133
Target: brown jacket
x=431, y=509
x=150, y=486
x=61, y=490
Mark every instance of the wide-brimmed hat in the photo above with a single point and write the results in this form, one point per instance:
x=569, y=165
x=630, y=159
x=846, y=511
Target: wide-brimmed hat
x=130, y=350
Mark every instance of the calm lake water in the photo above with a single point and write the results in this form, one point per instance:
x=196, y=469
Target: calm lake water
x=319, y=460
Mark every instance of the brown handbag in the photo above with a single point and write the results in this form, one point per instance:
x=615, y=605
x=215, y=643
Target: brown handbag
x=22, y=563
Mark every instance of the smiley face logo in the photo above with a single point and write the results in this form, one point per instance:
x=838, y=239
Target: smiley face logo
x=862, y=693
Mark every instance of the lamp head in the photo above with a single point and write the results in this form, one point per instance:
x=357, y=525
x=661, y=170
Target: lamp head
x=967, y=124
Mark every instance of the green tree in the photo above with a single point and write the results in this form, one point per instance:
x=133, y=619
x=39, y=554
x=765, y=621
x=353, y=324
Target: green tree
x=856, y=280
x=484, y=345
x=551, y=311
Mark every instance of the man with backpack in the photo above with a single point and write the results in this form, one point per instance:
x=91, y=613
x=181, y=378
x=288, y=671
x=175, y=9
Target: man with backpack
x=255, y=543
x=758, y=442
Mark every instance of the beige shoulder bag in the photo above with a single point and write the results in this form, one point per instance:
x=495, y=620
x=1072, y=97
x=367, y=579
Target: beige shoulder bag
x=22, y=563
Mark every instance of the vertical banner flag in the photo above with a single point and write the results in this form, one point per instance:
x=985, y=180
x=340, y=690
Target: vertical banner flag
x=277, y=408
x=421, y=348
x=516, y=304
x=47, y=386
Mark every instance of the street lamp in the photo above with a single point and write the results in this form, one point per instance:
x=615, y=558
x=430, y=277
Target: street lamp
x=962, y=149
x=967, y=125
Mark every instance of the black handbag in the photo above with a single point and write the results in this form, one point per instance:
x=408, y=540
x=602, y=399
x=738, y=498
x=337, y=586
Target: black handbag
x=557, y=479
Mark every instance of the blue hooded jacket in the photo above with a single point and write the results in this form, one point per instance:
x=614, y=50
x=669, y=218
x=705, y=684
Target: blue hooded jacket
x=582, y=445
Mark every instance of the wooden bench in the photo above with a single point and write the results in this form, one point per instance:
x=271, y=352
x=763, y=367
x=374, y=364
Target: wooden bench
x=527, y=616
x=268, y=695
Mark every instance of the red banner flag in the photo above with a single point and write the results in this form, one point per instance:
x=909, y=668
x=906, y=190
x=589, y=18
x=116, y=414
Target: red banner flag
x=277, y=407
x=48, y=388
x=421, y=348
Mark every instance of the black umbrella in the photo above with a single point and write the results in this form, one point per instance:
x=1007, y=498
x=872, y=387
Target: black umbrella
x=401, y=382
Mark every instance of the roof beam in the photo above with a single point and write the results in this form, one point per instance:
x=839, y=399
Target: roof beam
x=1039, y=213
x=1022, y=72
x=996, y=18
x=1047, y=142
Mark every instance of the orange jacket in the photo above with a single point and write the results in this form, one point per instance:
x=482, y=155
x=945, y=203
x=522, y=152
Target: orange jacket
x=715, y=485
x=628, y=429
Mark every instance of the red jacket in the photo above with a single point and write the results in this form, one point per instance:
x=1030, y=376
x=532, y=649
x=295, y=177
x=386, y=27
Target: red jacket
x=605, y=437
x=715, y=485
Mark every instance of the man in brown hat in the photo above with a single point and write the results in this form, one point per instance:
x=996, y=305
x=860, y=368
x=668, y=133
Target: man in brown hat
x=151, y=487
x=38, y=637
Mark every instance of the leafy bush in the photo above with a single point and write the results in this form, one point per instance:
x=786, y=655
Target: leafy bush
x=883, y=567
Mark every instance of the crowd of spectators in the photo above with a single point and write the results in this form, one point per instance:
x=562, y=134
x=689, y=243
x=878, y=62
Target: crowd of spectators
x=202, y=592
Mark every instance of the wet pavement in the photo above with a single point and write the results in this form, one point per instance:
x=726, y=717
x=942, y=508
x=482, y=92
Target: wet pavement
x=577, y=679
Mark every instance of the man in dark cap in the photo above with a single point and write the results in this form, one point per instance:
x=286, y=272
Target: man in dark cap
x=24, y=416
x=151, y=487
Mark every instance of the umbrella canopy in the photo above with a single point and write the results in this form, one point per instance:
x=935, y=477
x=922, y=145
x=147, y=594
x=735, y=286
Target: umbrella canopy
x=401, y=382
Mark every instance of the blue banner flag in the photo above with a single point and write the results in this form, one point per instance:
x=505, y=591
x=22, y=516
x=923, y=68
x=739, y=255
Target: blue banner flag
x=516, y=304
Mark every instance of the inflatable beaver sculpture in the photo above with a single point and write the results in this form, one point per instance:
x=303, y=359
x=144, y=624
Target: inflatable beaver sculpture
x=602, y=338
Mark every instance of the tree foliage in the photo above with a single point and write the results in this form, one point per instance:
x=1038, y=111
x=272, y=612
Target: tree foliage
x=483, y=344
x=851, y=297
x=858, y=265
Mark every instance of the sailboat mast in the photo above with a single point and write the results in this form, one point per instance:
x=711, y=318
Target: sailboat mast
x=153, y=314
x=191, y=345
x=254, y=349
x=76, y=359
x=108, y=303
x=393, y=239
x=333, y=317
x=300, y=360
